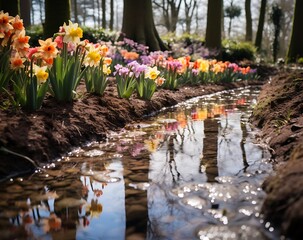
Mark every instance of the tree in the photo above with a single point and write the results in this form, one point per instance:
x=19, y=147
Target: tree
x=170, y=9
x=10, y=6
x=25, y=12
x=259, y=35
x=56, y=13
x=232, y=11
x=213, y=26
x=295, y=50
x=288, y=10
x=75, y=7
x=248, y=35
x=138, y=24
x=190, y=6
x=111, y=20
x=103, y=3
x=276, y=18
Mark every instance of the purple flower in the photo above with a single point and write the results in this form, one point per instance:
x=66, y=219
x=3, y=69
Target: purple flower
x=174, y=65
x=195, y=71
x=137, y=68
x=147, y=60
x=129, y=42
x=123, y=71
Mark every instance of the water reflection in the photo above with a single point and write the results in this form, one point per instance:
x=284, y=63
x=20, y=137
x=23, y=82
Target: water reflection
x=192, y=172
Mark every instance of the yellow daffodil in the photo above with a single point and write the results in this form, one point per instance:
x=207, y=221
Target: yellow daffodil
x=152, y=73
x=106, y=70
x=73, y=32
x=203, y=65
x=92, y=57
x=40, y=73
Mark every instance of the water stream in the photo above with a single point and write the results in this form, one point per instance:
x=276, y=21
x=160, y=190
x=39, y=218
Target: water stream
x=193, y=171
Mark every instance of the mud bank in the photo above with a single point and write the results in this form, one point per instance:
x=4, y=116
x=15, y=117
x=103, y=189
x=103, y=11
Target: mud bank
x=279, y=114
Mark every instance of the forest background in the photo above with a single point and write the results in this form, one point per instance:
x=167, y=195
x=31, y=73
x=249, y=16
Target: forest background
x=177, y=18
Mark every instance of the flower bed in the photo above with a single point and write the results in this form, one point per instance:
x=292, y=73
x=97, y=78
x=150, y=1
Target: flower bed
x=60, y=63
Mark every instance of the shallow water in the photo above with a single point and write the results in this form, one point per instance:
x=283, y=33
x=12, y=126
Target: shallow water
x=194, y=171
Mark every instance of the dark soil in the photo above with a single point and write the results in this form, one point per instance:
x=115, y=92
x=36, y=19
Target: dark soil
x=57, y=128
x=279, y=115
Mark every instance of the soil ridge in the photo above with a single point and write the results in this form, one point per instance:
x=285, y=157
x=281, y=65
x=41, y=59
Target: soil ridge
x=279, y=116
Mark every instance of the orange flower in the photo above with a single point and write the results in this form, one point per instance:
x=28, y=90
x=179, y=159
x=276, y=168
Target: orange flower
x=103, y=50
x=48, y=48
x=48, y=61
x=6, y=37
x=217, y=68
x=159, y=81
x=17, y=24
x=5, y=25
x=131, y=56
x=21, y=42
x=16, y=62
x=107, y=61
x=245, y=70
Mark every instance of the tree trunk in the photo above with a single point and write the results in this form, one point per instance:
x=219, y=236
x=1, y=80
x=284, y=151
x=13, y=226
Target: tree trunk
x=295, y=50
x=111, y=20
x=25, y=14
x=41, y=10
x=248, y=36
x=103, y=14
x=229, y=26
x=138, y=24
x=213, y=27
x=76, y=10
x=55, y=16
x=189, y=13
x=98, y=13
x=259, y=35
x=10, y=6
x=175, y=9
x=94, y=14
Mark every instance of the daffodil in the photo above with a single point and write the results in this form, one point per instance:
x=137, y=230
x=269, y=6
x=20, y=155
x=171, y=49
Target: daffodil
x=92, y=57
x=203, y=65
x=103, y=50
x=5, y=25
x=17, y=24
x=16, y=62
x=40, y=73
x=106, y=70
x=20, y=43
x=48, y=48
x=152, y=73
x=73, y=32
x=107, y=61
